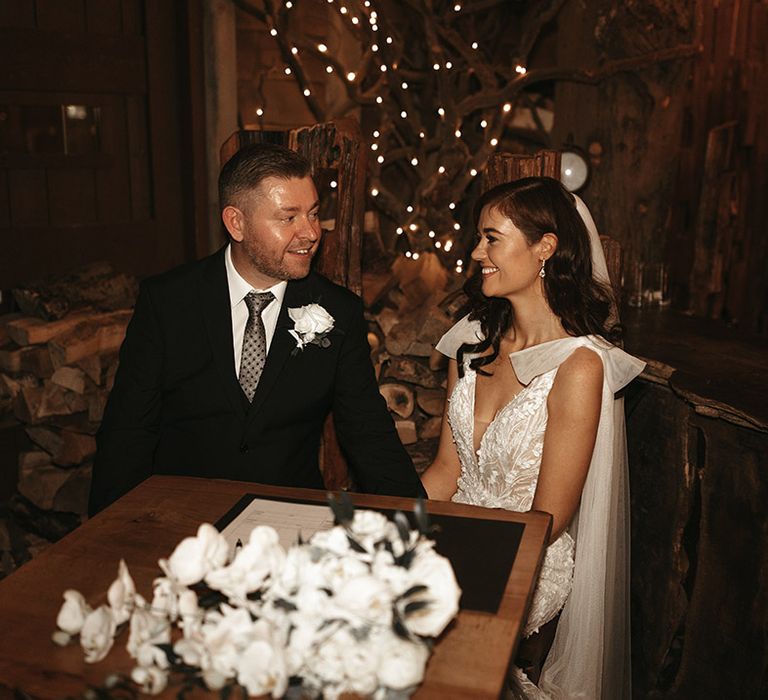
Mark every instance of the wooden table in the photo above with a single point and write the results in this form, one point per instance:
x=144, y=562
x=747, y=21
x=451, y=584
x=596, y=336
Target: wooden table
x=469, y=661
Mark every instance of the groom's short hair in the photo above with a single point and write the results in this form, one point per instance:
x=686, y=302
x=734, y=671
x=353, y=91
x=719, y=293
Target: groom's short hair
x=252, y=164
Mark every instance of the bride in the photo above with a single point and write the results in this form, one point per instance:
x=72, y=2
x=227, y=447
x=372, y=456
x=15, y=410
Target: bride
x=533, y=423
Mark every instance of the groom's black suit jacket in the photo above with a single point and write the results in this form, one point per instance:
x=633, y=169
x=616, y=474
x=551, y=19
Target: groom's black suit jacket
x=177, y=408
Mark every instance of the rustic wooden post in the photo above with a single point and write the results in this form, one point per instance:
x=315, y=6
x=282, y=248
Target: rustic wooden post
x=505, y=167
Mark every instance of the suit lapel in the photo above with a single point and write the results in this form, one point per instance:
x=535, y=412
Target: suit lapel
x=216, y=309
x=297, y=293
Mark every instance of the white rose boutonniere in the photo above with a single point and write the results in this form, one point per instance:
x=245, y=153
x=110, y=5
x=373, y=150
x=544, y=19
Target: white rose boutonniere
x=311, y=325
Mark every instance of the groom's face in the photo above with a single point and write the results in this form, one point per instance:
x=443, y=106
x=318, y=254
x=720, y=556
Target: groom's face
x=276, y=231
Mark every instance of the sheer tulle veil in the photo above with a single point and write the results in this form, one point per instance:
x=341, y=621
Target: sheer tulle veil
x=590, y=654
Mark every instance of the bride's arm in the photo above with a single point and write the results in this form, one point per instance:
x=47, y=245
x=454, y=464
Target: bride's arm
x=441, y=476
x=573, y=408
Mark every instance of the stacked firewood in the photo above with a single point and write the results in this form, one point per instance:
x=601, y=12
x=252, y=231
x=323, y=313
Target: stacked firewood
x=58, y=357
x=410, y=306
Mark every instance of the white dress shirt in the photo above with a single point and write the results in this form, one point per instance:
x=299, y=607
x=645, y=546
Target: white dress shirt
x=238, y=288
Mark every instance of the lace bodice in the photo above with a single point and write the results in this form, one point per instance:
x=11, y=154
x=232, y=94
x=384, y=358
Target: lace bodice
x=504, y=471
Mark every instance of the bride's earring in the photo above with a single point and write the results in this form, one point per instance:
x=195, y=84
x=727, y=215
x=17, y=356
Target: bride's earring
x=542, y=271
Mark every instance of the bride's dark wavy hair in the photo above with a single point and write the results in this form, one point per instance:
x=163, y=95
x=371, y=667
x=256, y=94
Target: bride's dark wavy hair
x=539, y=205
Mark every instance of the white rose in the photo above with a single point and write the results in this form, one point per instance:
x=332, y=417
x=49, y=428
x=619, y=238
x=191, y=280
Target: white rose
x=335, y=540
x=191, y=652
x=225, y=635
x=261, y=667
x=121, y=594
x=194, y=557
x=261, y=558
x=442, y=595
x=402, y=662
x=152, y=680
x=73, y=612
x=151, y=655
x=146, y=627
x=338, y=570
x=370, y=527
x=97, y=634
x=165, y=599
x=366, y=598
x=361, y=663
x=310, y=320
x=300, y=568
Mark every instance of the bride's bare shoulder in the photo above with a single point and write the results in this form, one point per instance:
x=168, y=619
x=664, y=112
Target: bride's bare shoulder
x=581, y=371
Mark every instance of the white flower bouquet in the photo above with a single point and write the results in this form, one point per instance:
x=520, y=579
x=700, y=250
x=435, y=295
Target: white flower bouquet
x=353, y=610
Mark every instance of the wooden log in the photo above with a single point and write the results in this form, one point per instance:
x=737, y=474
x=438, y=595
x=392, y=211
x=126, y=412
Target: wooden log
x=89, y=338
x=91, y=366
x=39, y=480
x=72, y=378
x=45, y=438
x=29, y=330
x=97, y=402
x=33, y=359
x=431, y=428
x=506, y=167
x=5, y=319
x=26, y=404
x=431, y=401
x=96, y=286
x=72, y=496
x=399, y=399
x=406, y=431
x=75, y=448
x=406, y=369
x=58, y=401
x=11, y=386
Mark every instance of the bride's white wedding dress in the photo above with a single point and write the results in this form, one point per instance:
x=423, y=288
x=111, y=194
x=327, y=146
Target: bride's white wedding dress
x=585, y=571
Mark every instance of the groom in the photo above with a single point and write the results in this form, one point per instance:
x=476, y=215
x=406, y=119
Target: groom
x=230, y=365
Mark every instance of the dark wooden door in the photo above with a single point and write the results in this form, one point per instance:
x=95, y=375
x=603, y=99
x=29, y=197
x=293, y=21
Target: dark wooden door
x=94, y=165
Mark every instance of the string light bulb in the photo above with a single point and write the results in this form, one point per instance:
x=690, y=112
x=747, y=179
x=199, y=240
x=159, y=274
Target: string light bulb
x=448, y=245
x=521, y=69
x=435, y=66
x=374, y=192
x=431, y=234
x=414, y=161
x=294, y=50
x=399, y=230
x=473, y=172
x=404, y=85
x=380, y=159
x=322, y=48
x=376, y=133
x=457, y=133
x=409, y=209
x=456, y=226
x=289, y=5
x=413, y=227
x=474, y=45
x=379, y=100
x=374, y=146
x=334, y=184
x=404, y=114
x=383, y=68
x=448, y=65
x=259, y=112
x=374, y=47
x=441, y=169
x=287, y=71
x=507, y=106
x=494, y=141
x=408, y=254
x=329, y=69
x=441, y=111
x=351, y=76
x=273, y=31
x=483, y=123
x=307, y=92
x=438, y=244
x=457, y=7
x=415, y=256
x=452, y=205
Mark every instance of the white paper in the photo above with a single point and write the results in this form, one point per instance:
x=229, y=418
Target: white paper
x=289, y=520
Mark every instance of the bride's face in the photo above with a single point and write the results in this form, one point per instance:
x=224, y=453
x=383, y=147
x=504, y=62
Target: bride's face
x=510, y=265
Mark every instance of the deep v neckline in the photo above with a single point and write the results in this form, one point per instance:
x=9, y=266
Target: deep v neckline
x=473, y=394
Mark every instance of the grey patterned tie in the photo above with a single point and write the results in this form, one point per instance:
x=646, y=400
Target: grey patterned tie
x=254, y=353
